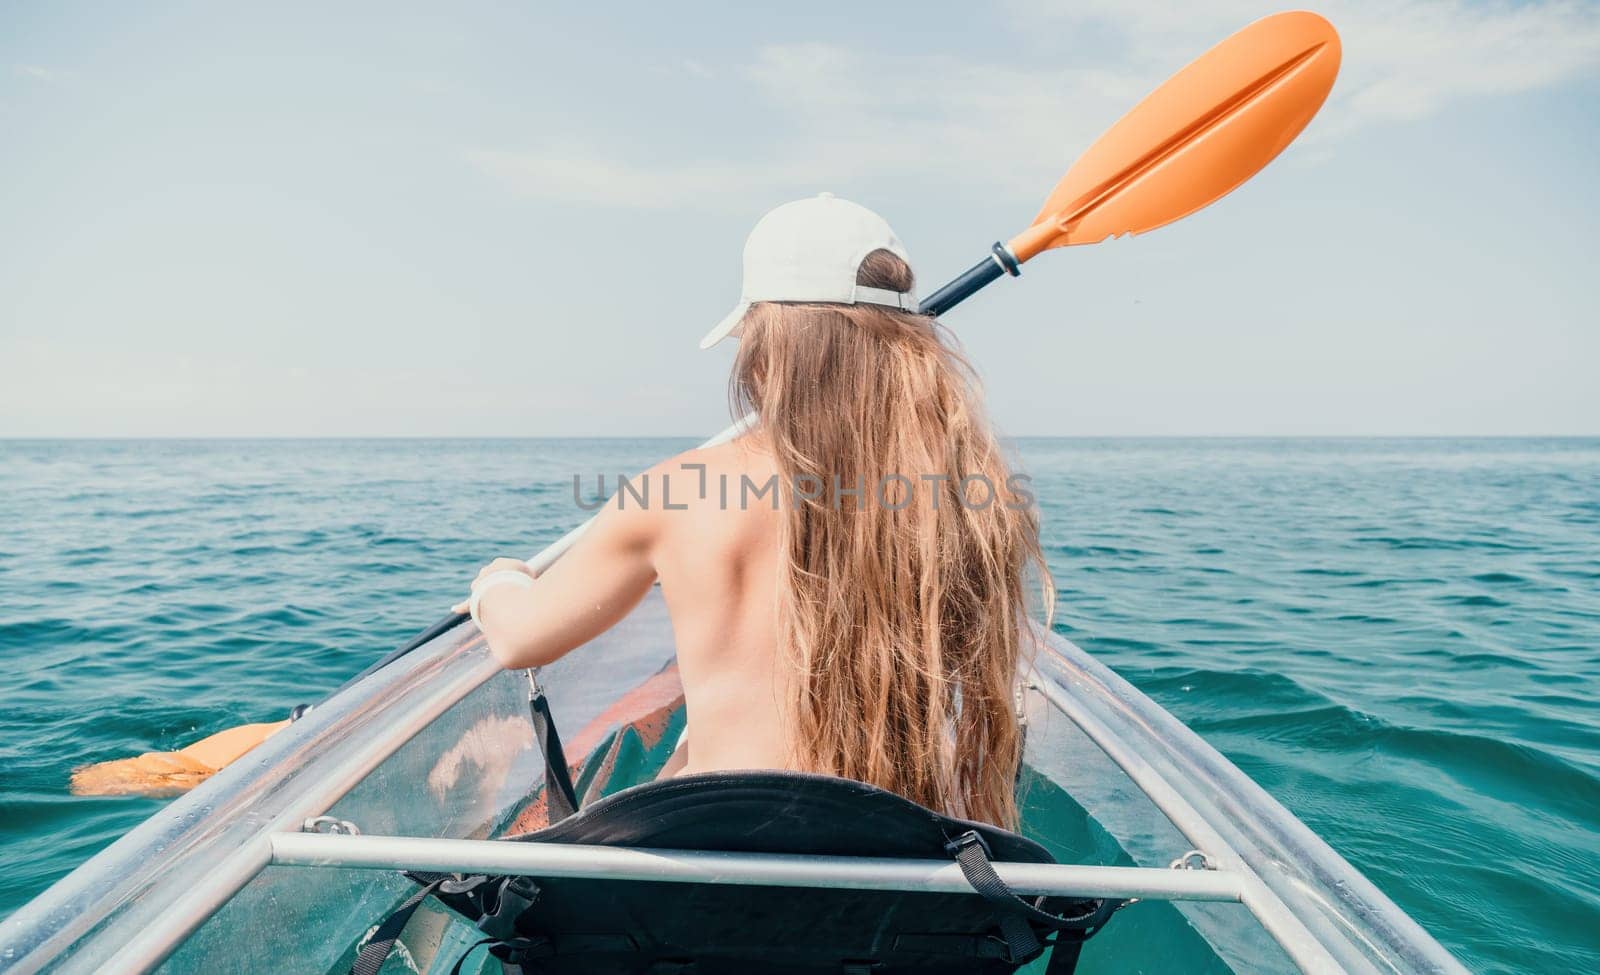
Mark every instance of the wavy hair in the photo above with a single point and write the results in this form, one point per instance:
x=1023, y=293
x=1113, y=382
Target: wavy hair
x=903, y=609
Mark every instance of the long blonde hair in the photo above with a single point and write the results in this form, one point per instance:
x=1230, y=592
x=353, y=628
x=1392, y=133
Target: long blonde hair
x=903, y=609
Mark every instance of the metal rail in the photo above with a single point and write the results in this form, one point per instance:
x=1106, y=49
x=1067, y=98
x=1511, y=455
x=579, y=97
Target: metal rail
x=752, y=869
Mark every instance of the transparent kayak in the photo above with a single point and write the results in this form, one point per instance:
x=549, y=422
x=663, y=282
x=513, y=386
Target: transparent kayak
x=239, y=874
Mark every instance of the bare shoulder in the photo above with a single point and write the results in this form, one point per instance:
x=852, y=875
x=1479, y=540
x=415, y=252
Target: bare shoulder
x=698, y=494
x=645, y=504
x=697, y=474
x=749, y=449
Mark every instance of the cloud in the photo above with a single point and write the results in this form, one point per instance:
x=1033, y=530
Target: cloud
x=1402, y=60
x=48, y=76
x=890, y=112
x=578, y=173
x=850, y=112
x=845, y=114
x=696, y=69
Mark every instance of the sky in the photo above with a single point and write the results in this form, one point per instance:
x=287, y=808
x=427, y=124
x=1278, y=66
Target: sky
x=518, y=219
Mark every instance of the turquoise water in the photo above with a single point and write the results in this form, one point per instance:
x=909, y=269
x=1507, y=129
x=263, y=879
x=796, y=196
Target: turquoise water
x=1399, y=639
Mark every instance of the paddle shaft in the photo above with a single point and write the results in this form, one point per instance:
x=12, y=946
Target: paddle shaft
x=998, y=264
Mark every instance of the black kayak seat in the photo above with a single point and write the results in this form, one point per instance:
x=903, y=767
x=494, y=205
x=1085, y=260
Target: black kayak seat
x=610, y=927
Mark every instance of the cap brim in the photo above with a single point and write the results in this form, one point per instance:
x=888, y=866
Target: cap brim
x=727, y=326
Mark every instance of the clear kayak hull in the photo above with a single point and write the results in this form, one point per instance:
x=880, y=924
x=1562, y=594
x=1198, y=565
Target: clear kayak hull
x=439, y=744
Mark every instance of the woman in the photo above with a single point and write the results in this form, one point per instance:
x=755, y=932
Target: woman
x=846, y=582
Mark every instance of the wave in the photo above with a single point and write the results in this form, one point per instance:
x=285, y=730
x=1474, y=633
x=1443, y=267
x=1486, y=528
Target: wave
x=1261, y=706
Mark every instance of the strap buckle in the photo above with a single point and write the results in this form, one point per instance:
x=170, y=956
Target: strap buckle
x=970, y=838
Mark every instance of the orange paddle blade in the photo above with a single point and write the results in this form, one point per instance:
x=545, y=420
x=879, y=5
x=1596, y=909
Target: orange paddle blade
x=171, y=773
x=1209, y=128
x=222, y=748
x=151, y=774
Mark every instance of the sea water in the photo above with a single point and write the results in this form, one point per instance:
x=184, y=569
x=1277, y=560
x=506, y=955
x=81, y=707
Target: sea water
x=1399, y=639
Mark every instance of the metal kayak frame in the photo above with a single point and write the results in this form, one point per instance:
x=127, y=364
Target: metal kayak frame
x=508, y=857
x=139, y=899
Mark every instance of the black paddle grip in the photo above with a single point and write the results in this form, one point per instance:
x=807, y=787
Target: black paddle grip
x=998, y=263
x=438, y=629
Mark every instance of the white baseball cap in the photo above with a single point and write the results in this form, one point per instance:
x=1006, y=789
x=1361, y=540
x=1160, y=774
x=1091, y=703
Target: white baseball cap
x=810, y=251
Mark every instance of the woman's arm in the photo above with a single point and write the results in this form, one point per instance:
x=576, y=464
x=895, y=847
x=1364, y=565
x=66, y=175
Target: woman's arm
x=589, y=589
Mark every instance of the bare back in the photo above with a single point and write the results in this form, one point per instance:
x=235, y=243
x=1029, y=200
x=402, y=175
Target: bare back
x=717, y=561
x=715, y=555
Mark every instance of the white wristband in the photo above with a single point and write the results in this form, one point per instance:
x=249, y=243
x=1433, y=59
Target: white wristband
x=505, y=577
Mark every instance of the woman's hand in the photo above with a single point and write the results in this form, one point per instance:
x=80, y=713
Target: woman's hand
x=498, y=565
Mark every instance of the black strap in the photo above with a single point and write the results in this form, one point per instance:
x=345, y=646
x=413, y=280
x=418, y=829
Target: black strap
x=1023, y=944
x=382, y=941
x=561, y=799
x=1064, y=956
x=456, y=968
